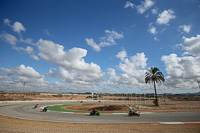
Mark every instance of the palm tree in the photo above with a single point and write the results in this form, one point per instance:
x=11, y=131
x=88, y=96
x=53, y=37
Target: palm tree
x=153, y=75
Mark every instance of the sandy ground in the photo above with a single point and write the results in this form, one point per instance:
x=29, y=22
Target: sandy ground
x=13, y=125
x=149, y=107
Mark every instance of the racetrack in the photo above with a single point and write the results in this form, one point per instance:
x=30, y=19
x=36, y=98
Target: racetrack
x=26, y=111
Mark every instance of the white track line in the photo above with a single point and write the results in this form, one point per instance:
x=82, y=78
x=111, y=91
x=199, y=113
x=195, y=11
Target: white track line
x=171, y=123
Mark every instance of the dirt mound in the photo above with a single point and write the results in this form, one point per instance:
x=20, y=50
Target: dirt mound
x=112, y=108
x=168, y=106
x=115, y=108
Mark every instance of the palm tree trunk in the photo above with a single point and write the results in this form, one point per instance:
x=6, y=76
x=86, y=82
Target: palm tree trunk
x=156, y=100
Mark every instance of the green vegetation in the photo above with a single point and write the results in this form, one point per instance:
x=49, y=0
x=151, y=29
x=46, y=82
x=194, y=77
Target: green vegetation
x=59, y=109
x=89, y=104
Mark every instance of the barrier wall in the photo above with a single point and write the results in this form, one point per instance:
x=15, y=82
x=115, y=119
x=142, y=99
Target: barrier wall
x=48, y=101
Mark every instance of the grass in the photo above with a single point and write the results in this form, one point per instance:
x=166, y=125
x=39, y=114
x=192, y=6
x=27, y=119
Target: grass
x=5, y=105
x=59, y=109
x=89, y=104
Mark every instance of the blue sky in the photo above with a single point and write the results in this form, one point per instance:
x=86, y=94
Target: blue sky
x=99, y=45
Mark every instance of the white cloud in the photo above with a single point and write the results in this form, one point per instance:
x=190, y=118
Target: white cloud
x=131, y=71
x=110, y=37
x=17, y=26
x=145, y=6
x=182, y=67
x=35, y=57
x=24, y=74
x=28, y=49
x=3, y=76
x=129, y=4
x=107, y=40
x=27, y=41
x=71, y=62
x=54, y=53
x=62, y=74
x=177, y=85
x=7, y=21
x=154, y=11
x=76, y=76
x=165, y=17
x=8, y=38
x=156, y=39
x=185, y=28
x=134, y=65
x=192, y=45
x=113, y=35
x=91, y=43
x=182, y=71
x=118, y=79
x=122, y=55
x=152, y=30
x=14, y=78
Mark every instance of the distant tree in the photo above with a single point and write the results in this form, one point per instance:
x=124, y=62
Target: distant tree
x=153, y=75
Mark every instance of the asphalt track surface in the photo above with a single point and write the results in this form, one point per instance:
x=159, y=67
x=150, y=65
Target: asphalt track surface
x=26, y=111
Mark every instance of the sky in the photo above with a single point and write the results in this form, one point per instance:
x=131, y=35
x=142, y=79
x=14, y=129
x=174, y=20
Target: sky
x=99, y=45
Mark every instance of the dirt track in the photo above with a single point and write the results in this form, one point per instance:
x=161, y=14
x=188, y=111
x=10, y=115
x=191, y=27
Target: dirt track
x=12, y=125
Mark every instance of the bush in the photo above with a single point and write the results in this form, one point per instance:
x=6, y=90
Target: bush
x=89, y=97
x=57, y=95
x=92, y=97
